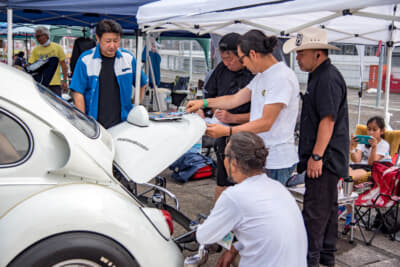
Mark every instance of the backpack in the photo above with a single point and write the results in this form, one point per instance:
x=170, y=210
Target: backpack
x=187, y=165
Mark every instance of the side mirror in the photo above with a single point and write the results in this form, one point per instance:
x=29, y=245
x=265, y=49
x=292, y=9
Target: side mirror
x=139, y=116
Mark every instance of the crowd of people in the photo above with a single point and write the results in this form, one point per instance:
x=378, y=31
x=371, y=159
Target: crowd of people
x=255, y=100
x=323, y=149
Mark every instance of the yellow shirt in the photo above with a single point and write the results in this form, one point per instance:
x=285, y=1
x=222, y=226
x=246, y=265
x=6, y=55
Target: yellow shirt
x=52, y=50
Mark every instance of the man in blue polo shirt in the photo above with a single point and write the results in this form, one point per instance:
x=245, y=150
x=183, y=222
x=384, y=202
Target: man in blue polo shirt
x=103, y=77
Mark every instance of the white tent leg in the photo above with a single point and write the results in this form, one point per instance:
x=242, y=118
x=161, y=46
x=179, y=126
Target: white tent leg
x=139, y=48
x=156, y=98
x=190, y=60
x=361, y=51
x=10, y=42
x=148, y=45
x=380, y=70
x=387, y=84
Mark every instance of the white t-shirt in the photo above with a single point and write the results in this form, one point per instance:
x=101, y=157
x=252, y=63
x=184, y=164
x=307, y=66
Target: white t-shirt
x=277, y=84
x=266, y=221
x=382, y=148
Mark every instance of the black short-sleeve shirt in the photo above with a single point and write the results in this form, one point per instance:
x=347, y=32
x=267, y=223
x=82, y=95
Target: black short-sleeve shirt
x=225, y=82
x=109, y=113
x=326, y=95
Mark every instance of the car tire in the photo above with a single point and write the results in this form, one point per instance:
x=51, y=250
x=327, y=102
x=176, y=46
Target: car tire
x=75, y=249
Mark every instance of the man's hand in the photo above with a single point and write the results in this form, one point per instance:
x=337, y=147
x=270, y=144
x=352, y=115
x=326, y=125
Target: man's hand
x=224, y=116
x=226, y=258
x=194, y=105
x=314, y=168
x=217, y=130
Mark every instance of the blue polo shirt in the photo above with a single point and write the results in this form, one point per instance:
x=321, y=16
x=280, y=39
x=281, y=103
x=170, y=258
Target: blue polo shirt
x=85, y=79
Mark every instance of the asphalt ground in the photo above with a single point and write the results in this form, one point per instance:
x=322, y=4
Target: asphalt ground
x=198, y=197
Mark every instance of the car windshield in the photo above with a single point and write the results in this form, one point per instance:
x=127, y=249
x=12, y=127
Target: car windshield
x=81, y=121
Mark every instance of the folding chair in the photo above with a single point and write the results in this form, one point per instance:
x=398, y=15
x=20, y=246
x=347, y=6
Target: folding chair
x=383, y=197
x=392, y=137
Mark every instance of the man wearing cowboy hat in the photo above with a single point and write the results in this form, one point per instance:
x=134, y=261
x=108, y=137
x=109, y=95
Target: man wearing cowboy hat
x=324, y=141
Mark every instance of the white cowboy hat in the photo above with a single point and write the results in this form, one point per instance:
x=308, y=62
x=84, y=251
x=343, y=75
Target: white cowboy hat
x=309, y=38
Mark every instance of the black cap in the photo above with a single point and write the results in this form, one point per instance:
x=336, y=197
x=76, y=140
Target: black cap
x=229, y=42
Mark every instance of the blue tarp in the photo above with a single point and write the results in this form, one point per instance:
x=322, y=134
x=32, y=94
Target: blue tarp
x=72, y=12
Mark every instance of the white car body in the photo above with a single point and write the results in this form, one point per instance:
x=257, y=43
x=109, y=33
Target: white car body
x=65, y=183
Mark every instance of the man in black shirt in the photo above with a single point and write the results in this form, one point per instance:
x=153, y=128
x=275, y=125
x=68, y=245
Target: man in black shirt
x=227, y=79
x=324, y=142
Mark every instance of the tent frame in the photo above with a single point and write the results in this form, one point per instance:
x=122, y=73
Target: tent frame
x=212, y=27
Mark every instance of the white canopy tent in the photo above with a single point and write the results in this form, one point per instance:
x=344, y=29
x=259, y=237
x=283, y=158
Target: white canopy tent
x=357, y=21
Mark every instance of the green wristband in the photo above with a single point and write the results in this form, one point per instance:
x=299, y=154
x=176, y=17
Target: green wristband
x=205, y=103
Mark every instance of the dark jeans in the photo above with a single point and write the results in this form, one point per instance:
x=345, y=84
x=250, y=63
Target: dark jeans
x=320, y=218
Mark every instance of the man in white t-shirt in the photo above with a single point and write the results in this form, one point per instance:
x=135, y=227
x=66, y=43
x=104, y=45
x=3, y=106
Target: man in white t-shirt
x=274, y=96
x=260, y=212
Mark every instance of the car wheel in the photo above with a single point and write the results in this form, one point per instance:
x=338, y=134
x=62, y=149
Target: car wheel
x=79, y=249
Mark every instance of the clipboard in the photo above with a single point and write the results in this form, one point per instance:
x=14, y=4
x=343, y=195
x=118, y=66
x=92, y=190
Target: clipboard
x=165, y=116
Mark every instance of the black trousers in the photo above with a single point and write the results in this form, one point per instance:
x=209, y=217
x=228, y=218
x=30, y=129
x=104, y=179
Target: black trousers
x=219, y=147
x=320, y=217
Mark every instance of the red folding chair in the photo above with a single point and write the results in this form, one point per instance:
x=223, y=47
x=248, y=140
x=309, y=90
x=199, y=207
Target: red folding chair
x=382, y=198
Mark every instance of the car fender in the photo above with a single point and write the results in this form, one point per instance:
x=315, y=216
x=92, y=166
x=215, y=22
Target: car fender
x=86, y=207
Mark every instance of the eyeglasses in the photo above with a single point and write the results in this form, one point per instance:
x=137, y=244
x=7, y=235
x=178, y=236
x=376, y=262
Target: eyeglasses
x=38, y=35
x=240, y=59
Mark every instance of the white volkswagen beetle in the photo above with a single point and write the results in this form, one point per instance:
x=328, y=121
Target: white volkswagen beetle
x=68, y=187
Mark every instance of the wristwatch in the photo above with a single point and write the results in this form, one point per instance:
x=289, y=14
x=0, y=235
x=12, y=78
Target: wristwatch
x=316, y=157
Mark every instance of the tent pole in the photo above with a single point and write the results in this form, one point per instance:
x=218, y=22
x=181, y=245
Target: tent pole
x=361, y=51
x=139, y=48
x=190, y=60
x=387, y=83
x=10, y=42
x=147, y=42
x=292, y=59
x=153, y=80
x=380, y=69
x=389, y=45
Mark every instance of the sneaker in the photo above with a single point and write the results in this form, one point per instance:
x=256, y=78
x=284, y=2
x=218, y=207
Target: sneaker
x=341, y=209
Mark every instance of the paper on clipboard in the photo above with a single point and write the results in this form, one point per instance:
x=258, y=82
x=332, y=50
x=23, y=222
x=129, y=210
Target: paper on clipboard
x=214, y=120
x=165, y=116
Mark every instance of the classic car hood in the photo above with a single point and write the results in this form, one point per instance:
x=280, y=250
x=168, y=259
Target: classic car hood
x=144, y=152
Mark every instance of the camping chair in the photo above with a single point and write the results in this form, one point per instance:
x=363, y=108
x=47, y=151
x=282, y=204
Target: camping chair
x=383, y=198
x=392, y=137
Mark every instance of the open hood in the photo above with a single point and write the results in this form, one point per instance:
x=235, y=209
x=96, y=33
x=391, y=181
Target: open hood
x=144, y=152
